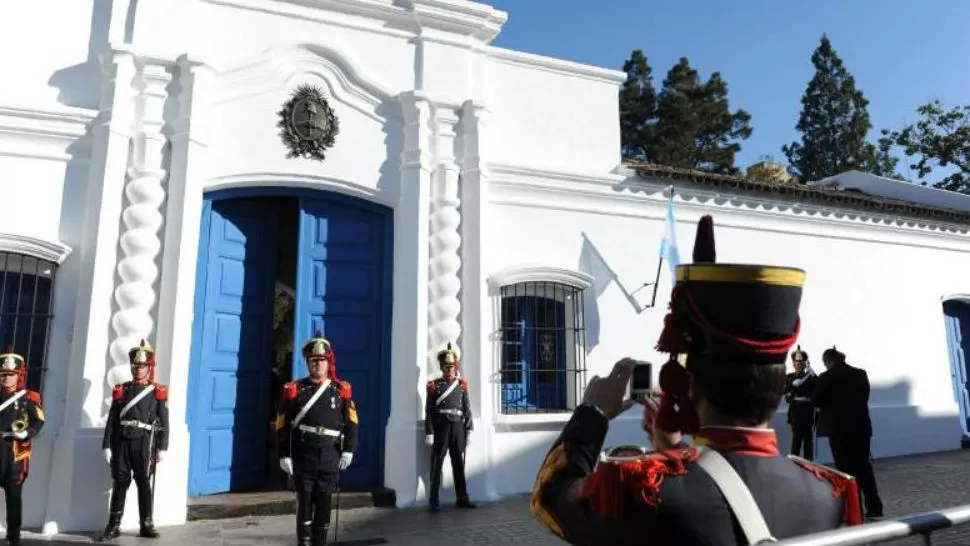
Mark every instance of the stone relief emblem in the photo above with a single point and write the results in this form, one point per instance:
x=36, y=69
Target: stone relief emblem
x=545, y=351
x=308, y=126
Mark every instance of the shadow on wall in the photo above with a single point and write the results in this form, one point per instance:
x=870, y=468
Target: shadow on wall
x=80, y=85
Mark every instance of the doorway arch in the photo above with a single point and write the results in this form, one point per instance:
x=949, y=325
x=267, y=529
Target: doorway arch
x=341, y=252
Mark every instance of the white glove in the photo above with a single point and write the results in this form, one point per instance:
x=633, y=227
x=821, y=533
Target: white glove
x=287, y=465
x=161, y=456
x=107, y=455
x=429, y=440
x=22, y=435
x=345, y=460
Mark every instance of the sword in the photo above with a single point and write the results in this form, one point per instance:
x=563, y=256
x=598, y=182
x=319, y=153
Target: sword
x=152, y=465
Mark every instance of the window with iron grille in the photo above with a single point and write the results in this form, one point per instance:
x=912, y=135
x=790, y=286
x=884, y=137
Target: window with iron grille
x=26, y=310
x=543, y=348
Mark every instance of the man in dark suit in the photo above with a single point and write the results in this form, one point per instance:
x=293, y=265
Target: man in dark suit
x=842, y=395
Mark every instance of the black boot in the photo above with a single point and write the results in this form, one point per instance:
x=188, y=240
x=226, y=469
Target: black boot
x=463, y=502
x=113, y=529
x=145, y=512
x=304, y=519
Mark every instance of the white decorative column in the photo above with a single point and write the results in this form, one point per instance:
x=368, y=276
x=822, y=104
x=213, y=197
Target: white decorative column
x=176, y=286
x=406, y=460
x=79, y=479
x=140, y=243
x=477, y=320
x=444, y=283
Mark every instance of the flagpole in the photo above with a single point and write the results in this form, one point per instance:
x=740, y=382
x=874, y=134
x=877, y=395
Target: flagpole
x=660, y=263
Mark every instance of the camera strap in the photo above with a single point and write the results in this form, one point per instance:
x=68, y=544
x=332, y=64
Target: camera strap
x=17, y=396
x=737, y=495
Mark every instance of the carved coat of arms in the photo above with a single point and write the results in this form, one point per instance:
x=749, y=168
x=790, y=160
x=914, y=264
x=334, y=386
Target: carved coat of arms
x=308, y=125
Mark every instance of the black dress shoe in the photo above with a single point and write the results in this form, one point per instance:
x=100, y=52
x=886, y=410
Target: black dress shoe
x=465, y=503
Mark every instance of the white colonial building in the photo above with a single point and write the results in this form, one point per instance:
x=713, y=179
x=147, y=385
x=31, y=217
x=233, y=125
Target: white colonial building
x=472, y=194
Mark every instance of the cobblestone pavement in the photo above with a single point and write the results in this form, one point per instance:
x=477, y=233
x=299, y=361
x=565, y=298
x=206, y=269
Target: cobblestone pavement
x=907, y=485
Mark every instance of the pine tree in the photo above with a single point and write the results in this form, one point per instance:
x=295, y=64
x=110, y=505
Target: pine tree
x=695, y=126
x=834, y=123
x=638, y=106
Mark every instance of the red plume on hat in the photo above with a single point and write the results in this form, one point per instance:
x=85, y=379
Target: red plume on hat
x=676, y=412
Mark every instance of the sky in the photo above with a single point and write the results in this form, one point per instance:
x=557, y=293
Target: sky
x=902, y=53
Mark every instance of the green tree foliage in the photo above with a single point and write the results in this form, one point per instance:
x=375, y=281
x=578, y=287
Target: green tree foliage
x=688, y=125
x=638, y=106
x=834, y=122
x=941, y=138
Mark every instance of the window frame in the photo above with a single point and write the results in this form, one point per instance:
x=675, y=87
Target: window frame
x=568, y=289
x=9, y=267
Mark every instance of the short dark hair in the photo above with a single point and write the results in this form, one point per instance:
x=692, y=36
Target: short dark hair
x=744, y=393
x=834, y=355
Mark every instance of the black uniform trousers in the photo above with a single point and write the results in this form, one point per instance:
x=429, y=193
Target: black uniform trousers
x=316, y=473
x=852, y=456
x=803, y=441
x=11, y=474
x=131, y=457
x=449, y=439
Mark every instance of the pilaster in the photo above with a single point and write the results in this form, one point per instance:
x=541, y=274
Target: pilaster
x=444, y=283
x=176, y=287
x=77, y=441
x=405, y=459
x=477, y=320
x=140, y=242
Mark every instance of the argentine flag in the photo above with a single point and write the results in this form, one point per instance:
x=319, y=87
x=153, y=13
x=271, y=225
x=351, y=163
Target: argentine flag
x=668, y=247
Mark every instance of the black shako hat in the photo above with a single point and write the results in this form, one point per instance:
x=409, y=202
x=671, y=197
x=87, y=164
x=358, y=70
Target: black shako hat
x=746, y=313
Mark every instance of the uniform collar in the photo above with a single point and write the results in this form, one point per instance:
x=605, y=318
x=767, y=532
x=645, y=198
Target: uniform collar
x=756, y=442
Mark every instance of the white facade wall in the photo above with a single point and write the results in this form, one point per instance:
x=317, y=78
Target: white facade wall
x=116, y=128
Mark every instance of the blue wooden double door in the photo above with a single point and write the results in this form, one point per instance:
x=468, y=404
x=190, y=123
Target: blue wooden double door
x=957, y=318
x=342, y=289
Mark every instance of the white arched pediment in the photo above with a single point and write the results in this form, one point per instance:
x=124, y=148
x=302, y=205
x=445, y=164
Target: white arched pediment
x=53, y=251
x=287, y=66
x=961, y=297
x=540, y=273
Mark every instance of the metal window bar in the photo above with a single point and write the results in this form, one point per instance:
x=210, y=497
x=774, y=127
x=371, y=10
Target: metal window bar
x=26, y=311
x=923, y=525
x=544, y=389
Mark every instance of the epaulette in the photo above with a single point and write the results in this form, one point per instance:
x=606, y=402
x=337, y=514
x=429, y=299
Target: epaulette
x=33, y=396
x=345, y=390
x=431, y=386
x=613, y=484
x=843, y=485
x=463, y=384
x=161, y=392
x=118, y=392
x=290, y=391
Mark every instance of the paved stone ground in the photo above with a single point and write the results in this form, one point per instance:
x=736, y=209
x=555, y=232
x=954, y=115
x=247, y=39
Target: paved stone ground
x=907, y=485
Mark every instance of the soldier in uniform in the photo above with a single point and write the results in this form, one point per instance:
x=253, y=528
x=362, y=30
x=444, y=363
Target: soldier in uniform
x=799, y=387
x=135, y=440
x=21, y=418
x=448, y=426
x=317, y=437
x=736, y=324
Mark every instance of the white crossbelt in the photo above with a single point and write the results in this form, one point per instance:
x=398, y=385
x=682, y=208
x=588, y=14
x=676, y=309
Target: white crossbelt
x=445, y=394
x=313, y=400
x=17, y=396
x=450, y=412
x=802, y=399
x=136, y=423
x=321, y=431
x=135, y=400
x=737, y=495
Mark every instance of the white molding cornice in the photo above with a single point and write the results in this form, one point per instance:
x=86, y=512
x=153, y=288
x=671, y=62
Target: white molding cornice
x=402, y=18
x=961, y=297
x=42, y=132
x=53, y=251
x=644, y=198
x=277, y=69
x=539, y=273
x=546, y=177
x=557, y=66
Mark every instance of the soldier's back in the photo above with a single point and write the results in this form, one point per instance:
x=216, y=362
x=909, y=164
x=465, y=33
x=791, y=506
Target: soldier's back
x=793, y=500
